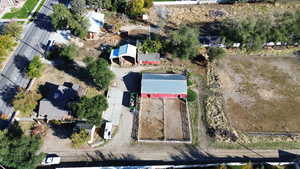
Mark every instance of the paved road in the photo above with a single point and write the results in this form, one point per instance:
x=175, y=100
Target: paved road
x=34, y=39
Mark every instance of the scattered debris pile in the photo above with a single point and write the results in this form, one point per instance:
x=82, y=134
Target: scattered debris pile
x=218, y=125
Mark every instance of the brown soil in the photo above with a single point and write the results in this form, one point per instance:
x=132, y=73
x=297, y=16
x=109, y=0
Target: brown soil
x=173, y=119
x=187, y=14
x=163, y=119
x=55, y=76
x=151, y=119
x=261, y=92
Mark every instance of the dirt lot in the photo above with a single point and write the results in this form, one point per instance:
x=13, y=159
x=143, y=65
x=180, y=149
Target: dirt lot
x=174, y=119
x=57, y=75
x=152, y=119
x=187, y=14
x=163, y=119
x=262, y=93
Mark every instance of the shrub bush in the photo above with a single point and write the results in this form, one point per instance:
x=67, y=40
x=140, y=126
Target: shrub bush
x=151, y=46
x=101, y=74
x=78, y=139
x=191, y=95
x=90, y=108
x=35, y=68
x=69, y=52
x=215, y=53
x=184, y=43
x=26, y=101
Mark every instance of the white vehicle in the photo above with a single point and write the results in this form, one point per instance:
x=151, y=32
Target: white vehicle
x=51, y=160
x=107, y=130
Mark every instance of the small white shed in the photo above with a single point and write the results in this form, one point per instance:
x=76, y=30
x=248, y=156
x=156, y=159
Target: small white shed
x=96, y=21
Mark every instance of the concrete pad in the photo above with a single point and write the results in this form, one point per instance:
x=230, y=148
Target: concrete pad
x=114, y=98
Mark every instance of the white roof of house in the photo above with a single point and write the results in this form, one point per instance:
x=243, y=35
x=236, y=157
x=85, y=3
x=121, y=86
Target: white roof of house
x=124, y=50
x=96, y=20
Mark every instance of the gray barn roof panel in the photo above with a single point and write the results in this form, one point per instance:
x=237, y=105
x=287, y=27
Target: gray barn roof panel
x=164, y=83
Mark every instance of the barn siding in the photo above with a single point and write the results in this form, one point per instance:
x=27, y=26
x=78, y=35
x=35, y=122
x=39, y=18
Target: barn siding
x=149, y=95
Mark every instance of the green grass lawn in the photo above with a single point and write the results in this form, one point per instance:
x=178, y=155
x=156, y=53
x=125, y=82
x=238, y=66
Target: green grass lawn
x=22, y=13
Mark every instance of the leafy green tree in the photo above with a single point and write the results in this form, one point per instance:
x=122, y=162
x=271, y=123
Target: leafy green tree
x=78, y=7
x=148, y=3
x=120, y=5
x=35, y=68
x=69, y=52
x=151, y=46
x=101, y=74
x=80, y=26
x=26, y=101
x=184, y=42
x=136, y=8
x=13, y=29
x=191, y=95
x=61, y=16
x=19, y=151
x=90, y=108
x=78, y=139
x=100, y=4
x=7, y=43
x=215, y=53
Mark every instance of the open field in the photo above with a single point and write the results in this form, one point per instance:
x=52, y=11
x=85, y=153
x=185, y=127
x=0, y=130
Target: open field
x=262, y=93
x=164, y=119
x=175, y=15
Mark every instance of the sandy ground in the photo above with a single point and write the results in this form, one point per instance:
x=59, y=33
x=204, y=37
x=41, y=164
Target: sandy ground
x=262, y=92
x=173, y=119
x=151, y=119
x=192, y=14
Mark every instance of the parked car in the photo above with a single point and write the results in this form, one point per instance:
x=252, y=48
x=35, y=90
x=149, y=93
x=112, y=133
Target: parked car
x=51, y=159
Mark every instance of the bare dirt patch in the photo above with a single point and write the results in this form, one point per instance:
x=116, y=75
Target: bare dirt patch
x=190, y=14
x=56, y=76
x=164, y=120
x=261, y=92
x=151, y=119
x=175, y=118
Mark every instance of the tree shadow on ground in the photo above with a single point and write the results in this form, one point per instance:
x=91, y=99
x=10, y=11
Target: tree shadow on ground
x=62, y=131
x=297, y=53
x=74, y=70
x=194, y=155
x=43, y=22
x=7, y=94
x=188, y=156
x=21, y=63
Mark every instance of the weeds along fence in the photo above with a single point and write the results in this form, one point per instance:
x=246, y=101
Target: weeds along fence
x=186, y=2
x=287, y=134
